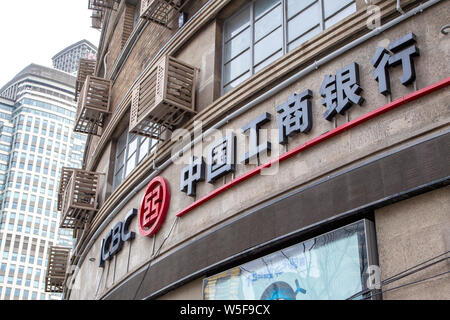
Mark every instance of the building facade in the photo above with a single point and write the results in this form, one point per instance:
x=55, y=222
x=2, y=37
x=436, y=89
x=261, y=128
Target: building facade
x=37, y=140
x=266, y=149
x=67, y=60
x=6, y=136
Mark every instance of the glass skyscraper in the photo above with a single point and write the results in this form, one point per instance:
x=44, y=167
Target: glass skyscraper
x=67, y=59
x=37, y=112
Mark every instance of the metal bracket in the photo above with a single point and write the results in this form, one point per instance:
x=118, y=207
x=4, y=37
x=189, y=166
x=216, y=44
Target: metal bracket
x=445, y=29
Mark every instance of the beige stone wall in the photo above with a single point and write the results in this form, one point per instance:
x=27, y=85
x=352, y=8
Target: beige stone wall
x=205, y=54
x=414, y=121
x=191, y=291
x=411, y=232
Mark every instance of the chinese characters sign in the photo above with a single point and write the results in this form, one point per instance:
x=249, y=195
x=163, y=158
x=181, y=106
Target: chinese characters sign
x=339, y=92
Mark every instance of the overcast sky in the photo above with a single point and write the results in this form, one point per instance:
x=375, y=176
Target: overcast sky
x=33, y=31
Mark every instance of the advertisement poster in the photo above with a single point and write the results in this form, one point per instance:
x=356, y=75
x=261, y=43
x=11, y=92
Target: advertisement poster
x=326, y=267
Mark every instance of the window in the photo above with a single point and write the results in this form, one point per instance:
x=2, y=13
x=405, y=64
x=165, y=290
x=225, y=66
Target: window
x=131, y=149
x=331, y=266
x=121, y=150
x=265, y=30
x=7, y=293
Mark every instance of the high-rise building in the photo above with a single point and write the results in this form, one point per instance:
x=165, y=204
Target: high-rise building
x=37, y=112
x=67, y=59
x=6, y=132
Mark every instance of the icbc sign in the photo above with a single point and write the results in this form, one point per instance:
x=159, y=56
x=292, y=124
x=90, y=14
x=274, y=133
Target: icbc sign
x=115, y=239
x=154, y=207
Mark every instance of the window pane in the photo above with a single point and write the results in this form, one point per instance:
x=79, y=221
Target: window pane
x=269, y=45
x=237, y=23
x=120, y=160
x=237, y=67
x=118, y=178
x=236, y=82
x=132, y=145
x=131, y=164
x=330, y=266
x=302, y=23
x=268, y=61
x=143, y=149
x=122, y=141
x=341, y=15
x=295, y=6
x=261, y=6
x=268, y=23
x=304, y=38
x=237, y=45
x=332, y=6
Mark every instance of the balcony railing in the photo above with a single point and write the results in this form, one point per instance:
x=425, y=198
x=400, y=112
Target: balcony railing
x=163, y=98
x=99, y=7
x=161, y=11
x=77, y=197
x=58, y=259
x=93, y=105
x=86, y=67
x=97, y=19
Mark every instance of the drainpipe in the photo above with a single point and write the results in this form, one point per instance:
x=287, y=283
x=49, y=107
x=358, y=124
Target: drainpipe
x=104, y=64
x=88, y=142
x=314, y=66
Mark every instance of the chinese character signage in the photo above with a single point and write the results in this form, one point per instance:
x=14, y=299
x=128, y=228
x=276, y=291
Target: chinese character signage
x=193, y=173
x=401, y=52
x=222, y=158
x=295, y=116
x=340, y=92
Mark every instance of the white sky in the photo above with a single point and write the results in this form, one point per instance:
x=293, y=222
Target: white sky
x=33, y=31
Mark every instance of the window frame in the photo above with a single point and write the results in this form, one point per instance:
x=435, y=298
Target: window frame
x=127, y=156
x=285, y=42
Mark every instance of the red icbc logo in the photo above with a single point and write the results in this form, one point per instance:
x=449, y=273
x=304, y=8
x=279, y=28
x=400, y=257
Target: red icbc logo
x=154, y=207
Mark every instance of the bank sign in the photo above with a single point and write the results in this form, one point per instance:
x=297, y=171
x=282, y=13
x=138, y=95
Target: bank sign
x=340, y=92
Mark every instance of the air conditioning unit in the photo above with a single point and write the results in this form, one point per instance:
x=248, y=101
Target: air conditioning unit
x=93, y=105
x=163, y=98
